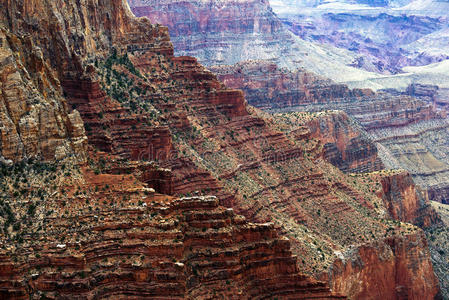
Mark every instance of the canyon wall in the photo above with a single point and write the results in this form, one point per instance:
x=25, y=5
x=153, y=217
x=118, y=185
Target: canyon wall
x=229, y=33
x=35, y=121
x=344, y=144
x=95, y=227
x=409, y=132
x=216, y=30
x=232, y=31
x=387, y=261
x=271, y=88
x=162, y=124
x=421, y=150
x=187, y=249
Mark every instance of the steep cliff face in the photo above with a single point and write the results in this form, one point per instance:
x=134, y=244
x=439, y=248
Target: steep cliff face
x=268, y=87
x=438, y=238
x=34, y=119
x=231, y=31
x=344, y=144
x=386, y=263
x=386, y=259
x=410, y=134
x=252, y=165
x=99, y=229
x=148, y=246
x=421, y=150
x=218, y=29
x=405, y=202
x=104, y=228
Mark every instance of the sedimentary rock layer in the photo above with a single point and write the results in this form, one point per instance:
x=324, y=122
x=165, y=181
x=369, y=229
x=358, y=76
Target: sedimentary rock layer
x=407, y=130
x=113, y=235
x=34, y=120
x=98, y=229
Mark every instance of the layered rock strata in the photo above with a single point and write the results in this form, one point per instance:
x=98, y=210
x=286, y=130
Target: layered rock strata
x=182, y=249
x=344, y=144
x=399, y=125
x=232, y=31
x=217, y=30
x=34, y=120
x=271, y=88
x=113, y=235
x=420, y=149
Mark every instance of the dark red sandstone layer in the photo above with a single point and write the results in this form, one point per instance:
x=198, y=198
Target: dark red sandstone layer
x=410, y=131
x=345, y=145
x=117, y=238
x=111, y=235
x=154, y=247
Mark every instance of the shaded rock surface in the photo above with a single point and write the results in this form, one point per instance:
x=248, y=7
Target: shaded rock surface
x=99, y=229
x=408, y=131
x=163, y=124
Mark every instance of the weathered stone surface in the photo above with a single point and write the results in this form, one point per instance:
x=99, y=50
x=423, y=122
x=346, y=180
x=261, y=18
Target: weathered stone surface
x=118, y=238
x=385, y=263
x=103, y=230
x=409, y=132
x=216, y=30
x=34, y=121
x=345, y=145
x=421, y=149
x=267, y=86
x=405, y=202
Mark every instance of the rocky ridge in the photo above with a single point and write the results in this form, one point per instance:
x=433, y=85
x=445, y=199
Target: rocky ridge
x=343, y=143
x=150, y=245
x=408, y=131
x=220, y=146
x=229, y=32
x=34, y=119
x=127, y=240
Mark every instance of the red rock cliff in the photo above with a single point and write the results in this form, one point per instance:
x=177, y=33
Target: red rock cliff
x=111, y=235
x=386, y=264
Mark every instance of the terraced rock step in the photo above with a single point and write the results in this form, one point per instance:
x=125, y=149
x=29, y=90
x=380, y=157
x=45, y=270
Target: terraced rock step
x=132, y=220
x=191, y=248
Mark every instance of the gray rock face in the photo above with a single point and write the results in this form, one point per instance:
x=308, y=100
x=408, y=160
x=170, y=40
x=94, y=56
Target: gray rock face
x=231, y=31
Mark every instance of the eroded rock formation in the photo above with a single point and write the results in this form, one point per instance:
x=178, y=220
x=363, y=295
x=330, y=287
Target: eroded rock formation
x=161, y=125
x=344, y=144
x=409, y=132
x=98, y=229
x=216, y=30
x=34, y=120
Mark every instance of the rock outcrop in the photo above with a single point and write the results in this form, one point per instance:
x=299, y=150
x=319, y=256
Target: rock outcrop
x=136, y=219
x=344, y=144
x=34, y=120
x=188, y=248
x=409, y=132
x=231, y=31
x=386, y=262
x=406, y=202
x=100, y=229
x=420, y=149
x=218, y=29
x=268, y=87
